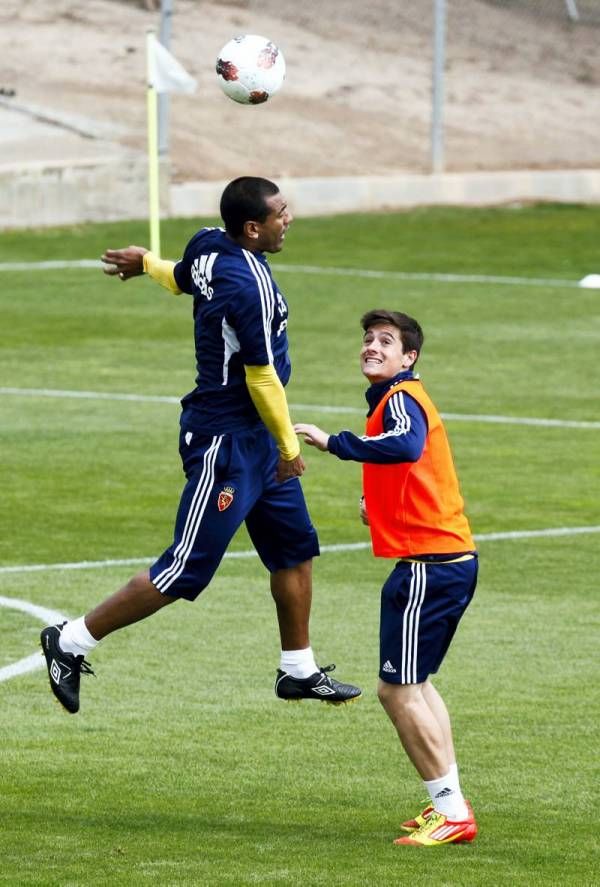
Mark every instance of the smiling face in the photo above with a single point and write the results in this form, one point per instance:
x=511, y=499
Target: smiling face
x=382, y=355
x=270, y=234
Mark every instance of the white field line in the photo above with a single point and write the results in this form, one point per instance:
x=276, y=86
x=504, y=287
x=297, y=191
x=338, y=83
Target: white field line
x=89, y=395
x=437, y=277
x=345, y=546
x=57, y=265
x=35, y=661
x=308, y=407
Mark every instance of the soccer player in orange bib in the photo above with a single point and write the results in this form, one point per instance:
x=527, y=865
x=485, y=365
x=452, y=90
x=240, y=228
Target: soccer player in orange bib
x=412, y=504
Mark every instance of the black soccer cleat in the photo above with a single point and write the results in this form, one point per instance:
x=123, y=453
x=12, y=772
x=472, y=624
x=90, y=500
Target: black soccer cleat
x=64, y=669
x=318, y=686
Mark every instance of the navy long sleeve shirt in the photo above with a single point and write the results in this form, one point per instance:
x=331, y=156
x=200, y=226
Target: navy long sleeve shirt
x=404, y=434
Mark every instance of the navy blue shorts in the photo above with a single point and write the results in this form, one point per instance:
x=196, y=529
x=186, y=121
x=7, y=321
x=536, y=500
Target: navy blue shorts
x=421, y=606
x=231, y=479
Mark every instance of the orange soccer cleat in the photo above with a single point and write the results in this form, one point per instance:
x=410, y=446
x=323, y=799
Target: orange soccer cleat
x=439, y=829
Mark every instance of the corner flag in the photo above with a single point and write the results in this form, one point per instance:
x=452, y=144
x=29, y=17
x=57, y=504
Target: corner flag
x=165, y=74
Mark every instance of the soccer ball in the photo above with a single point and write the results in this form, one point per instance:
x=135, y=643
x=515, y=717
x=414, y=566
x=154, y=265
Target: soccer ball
x=250, y=69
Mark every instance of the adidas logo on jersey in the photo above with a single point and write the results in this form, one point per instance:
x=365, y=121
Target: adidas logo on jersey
x=202, y=274
x=388, y=667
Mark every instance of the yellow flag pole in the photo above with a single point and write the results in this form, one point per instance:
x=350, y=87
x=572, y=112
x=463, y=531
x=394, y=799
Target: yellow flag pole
x=153, y=167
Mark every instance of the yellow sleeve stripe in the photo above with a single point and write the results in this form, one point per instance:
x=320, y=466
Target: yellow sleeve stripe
x=268, y=396
x=161, y=270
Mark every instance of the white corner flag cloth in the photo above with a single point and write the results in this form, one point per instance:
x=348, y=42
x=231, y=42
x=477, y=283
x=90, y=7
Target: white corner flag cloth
x=166, y=73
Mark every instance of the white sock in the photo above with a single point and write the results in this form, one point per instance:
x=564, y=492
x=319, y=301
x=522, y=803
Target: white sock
x=446, y=796
x=76, y=639
x=298, y=663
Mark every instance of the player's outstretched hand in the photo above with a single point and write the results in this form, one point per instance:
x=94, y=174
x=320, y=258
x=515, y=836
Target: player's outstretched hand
x=292, y=468
x=313, y=436
x=124, y=263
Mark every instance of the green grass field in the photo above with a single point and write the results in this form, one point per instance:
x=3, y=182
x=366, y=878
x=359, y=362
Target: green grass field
x=182, y=768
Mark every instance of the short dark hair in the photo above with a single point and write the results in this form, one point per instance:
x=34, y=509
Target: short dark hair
x=244, y=200
x=411, y=334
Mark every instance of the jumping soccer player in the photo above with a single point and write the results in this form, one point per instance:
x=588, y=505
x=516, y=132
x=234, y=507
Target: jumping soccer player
x=240, y=454
x=414, y=510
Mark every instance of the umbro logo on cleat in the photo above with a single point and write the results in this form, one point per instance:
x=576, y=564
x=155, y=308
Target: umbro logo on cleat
x=55, y=672
x=324, y=691
x=318, y=685
x=388, y=667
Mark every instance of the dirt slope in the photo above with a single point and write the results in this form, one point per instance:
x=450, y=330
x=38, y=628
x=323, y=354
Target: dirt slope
x=522, y=88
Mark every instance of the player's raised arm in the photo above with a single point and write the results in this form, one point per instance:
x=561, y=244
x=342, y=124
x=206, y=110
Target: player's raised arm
x=124, y=263
x=133, y=261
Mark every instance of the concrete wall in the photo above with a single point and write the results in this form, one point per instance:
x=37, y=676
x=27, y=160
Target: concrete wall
x=71, y=191
x=115, y=187
x=325, y=196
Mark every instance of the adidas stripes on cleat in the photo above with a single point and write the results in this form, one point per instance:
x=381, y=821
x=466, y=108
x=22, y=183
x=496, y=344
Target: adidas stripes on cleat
x=439, y=829
x=318, y=686
x=411, y=825
x=64, y=669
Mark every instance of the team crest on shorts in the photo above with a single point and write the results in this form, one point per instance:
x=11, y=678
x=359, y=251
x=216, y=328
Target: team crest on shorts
x=225, y=498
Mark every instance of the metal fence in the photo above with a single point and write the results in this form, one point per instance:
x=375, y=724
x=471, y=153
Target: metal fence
x=582, y=11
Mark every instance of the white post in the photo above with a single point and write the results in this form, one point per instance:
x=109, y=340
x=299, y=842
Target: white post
x=166, y=15
x=437, y=103
x=572, y=10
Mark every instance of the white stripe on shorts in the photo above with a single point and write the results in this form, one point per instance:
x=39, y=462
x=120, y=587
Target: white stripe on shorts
x=168, y=576
x=410, y=623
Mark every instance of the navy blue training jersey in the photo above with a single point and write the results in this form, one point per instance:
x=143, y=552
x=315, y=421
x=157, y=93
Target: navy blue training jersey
x=240, y=318
x=404, y=428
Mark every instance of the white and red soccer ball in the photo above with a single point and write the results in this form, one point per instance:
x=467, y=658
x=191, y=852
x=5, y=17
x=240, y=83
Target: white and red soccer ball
x=250, y=69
